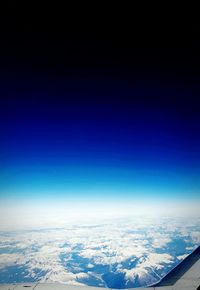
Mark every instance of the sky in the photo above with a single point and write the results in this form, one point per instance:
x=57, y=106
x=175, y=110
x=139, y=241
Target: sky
x=91, y=121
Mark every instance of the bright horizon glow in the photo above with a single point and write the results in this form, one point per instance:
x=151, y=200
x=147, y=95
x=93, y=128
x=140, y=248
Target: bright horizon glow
x=53, y=213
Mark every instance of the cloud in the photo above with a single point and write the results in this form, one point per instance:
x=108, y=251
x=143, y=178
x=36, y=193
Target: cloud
x=161, y=242
x=195, y=235
x=156, y=261
x=139, y=248
x=132, y=274
x=146, y=270
x=7, y=260
x=182, y=257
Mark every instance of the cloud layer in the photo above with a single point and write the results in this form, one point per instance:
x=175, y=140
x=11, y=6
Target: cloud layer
x=134, y=251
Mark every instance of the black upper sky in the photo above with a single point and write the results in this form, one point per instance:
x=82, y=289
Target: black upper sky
x=36, y=50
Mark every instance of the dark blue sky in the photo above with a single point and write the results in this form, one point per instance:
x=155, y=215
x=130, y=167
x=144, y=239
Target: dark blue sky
x=89, y=138
x=105, y=121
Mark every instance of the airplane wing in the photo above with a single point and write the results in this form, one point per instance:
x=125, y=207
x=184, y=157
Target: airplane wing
x=185, y=276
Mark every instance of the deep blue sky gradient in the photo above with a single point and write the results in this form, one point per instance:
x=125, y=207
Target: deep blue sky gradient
x=99, y=139
x=102, y=115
